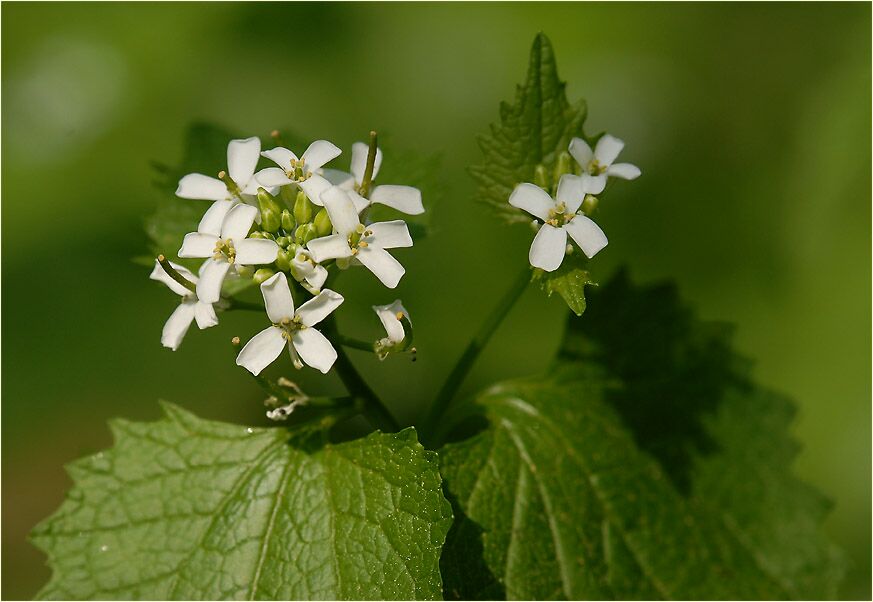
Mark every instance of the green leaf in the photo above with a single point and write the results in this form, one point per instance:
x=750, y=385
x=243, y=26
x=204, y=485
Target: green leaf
x=532, y=131
x=186, y=508
x=569, y=281
x=582, y=486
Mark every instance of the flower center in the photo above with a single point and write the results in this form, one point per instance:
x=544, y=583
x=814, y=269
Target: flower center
x=298, y=171
x=224, y=249
x=356, y=238
x=289, y=326
x=595, y=168
x=559, y=215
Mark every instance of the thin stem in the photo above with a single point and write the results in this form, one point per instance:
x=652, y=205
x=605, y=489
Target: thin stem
x=456, y=377
x=374, y=410
x=353, y=343
x=175, y=275
x=368, y=170
x=244, y=305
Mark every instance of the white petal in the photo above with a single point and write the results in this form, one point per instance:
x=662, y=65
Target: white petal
x=319, y=153
x=379, y=261
x=570, y=192
x=314, y=349
x=625, y=171
x=532, y=199
x=388, y=316
x=587, y=235
x=360, y=202
x=256, y=251
x=238, y=222
x=329, y=247
x=403, y=198
x=242, y=157
x=262, y=350
x=593, y=184
x=198, y=186
x=359, y=161
x=389, y=235
x=214, y=217
x=211, y=278
x=607, y=149
x=339, y=178
x=314, y=186
x=319, y=307
x=272, y=176
x=177, y=325
x=204, y=313
x=159, y=274
x=318, y=276
x=581, y=152
x=548, y=247
x=197, y=244
x=280, y=156
x=341, y=210
x=277, y=298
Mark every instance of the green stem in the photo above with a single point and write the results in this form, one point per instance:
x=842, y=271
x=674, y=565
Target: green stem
x=374, y=410
x=456, y=377
x=244, y=305
x=353, y=343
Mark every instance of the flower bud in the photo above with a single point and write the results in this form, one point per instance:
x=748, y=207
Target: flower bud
x=244, y=271
x=287, y=220
x=305, y=233
x=322, y=223
x=541, y=178
x=283, y=260
x=283, y=241
x=302, y=208
x=270, y=220
x=257, y=234
x=287, y=194
x=589, y=205
x=262, y=274
x=563, y=165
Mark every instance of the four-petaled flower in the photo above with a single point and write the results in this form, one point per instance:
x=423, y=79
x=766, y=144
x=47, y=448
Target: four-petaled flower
x=353, y=239
x=191, y=308
x=391, y=315
x=242, y=157
x=221, y=236
x=598, y=164
x=307, y=271
x=559, y=217
x=291, y=329
x=405, y=199
x=302, y=171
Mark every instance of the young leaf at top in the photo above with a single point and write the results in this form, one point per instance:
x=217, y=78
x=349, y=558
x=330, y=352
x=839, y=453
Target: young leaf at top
x=570, y=495
x=186, y=508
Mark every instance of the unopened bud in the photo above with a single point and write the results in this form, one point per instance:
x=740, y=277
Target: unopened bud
x=302, y=208
x=283, y=260
x=563, y=165
x=257, y=234
x=322, y=223
x=305, y=233
x=287, y=220
x=270, y=220
x=589, y=205
x=541, y=177
x=283, y=241
x=245, y=271
x=262, y=274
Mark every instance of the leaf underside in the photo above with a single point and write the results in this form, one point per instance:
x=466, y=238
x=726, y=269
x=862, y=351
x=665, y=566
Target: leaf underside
x=186, y=508
x=569, y=493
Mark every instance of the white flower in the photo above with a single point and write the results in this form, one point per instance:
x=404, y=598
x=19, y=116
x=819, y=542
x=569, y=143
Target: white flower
x=307, y=271
x=390, y=316
x=367, y=244
x=292, y=329
x=403, y=198
x=598, y=164
x=559, y=218
x=302, y=171
x=242, y=157
x=191, y=308
x=221, y=236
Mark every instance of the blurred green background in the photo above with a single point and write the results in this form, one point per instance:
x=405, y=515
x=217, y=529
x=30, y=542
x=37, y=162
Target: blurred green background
x=751, y=123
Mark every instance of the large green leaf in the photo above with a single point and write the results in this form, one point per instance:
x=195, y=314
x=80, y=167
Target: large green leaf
x=185, y=508
x=575, y=491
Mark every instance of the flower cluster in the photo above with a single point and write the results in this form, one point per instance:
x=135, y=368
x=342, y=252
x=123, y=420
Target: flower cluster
x=287, y=228
x=566, y=211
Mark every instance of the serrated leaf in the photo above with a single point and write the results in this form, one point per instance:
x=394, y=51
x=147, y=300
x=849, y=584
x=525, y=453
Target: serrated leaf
x=533, y=130
x=572, y=499
x=186, y=508
x=569, y=281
